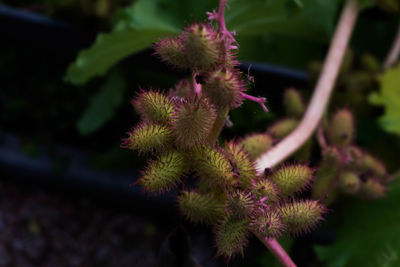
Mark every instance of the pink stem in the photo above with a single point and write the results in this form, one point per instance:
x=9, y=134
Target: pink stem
x=394, y=52
x=259, y=100
x=197, y=86
x=321, y=95
x=276, y=249
x=220, y=18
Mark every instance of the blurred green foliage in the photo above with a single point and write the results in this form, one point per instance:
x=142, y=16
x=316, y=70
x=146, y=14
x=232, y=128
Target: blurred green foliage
x=367, y=232
x=145, y=21
x=104, y=104
x=389, y=97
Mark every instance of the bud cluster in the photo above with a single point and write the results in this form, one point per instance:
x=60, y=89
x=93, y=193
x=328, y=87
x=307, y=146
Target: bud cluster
x=176, y=131
x=346, y=168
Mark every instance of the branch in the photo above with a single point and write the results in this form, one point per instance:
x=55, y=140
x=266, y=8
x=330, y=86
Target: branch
x=259, y=100
x=276, y=249
x=321, y=94
x=394, y=52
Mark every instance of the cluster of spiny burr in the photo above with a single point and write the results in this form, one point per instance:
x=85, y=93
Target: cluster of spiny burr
x=180, y=129
x=346, y=168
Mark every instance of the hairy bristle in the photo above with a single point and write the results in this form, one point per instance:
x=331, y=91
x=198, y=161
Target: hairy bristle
x=148, y=137
x=201, y=46
x=292, y=178
x=231, y=236
x=223, y=88
x=170, y=50
x=200, y=208
x=154, y=106
x=192, y=122
x=269, y=224
x=163, y=173
x=267, y=188
x=257, y=144
x=212, y=166
x=301, y=216
x=242, y=166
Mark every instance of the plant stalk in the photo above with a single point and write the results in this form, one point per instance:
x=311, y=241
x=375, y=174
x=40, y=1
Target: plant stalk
x=276, y=249
x=218, y=125
x=322, y=92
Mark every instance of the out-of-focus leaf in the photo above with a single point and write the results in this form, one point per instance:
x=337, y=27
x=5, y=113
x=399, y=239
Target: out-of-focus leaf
x=389, y=98
x=148, y=20
x=144, y=23
x=315, y=21
x=103, y=104
x=368, y=233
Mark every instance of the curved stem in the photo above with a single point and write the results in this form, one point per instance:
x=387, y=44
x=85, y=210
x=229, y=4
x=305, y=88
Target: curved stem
x=218, y=125
x=394, y=52
x=321, y=93
x=321, y=137
x=276, y=249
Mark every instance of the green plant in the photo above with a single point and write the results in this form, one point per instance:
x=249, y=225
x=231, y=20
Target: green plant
x=239, y=187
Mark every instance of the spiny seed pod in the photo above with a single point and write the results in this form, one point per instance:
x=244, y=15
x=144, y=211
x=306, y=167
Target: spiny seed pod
x=163, y=173
x=301, y=216
x=170, y=50
x=354, y=156
x=241, y=164
x=154, y=106
x=212, y=166
x=283, y=127
x=325, y=178
x=269, y=224
x=370, y=163
x=200, y=208
x=148, y=137
x=201, y=46
x=292, y=178
x=293, y=103
x=192, y=122
x=372, y=189
x=266, y=188
x=181, y=89
x=370, y=63
x=230, y=60
x=390, y=6
x=223, y=87
x=341, y=128
x=257, y=144
x=231, y=236
x=240, y=204
x=349, y=182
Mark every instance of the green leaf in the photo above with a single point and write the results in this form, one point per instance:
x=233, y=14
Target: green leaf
x=144, y=22
x=141, y=24
x=389, y=98
x=315, y=21
x=368, y=233
x=103, y=105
